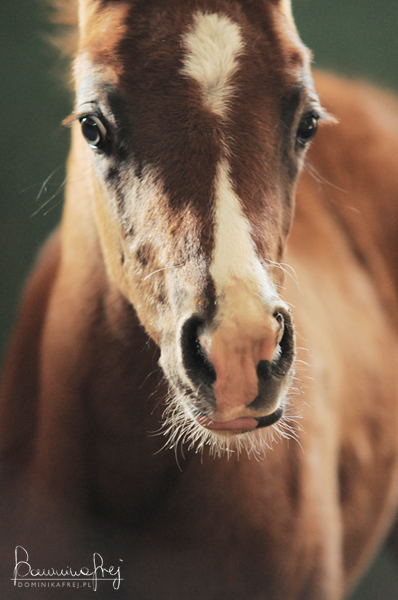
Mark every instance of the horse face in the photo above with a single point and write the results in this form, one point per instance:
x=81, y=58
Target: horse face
x=197, y=120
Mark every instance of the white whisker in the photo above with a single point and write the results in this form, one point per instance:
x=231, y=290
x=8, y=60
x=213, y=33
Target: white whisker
x=163, y=269
x=182, y=430
x=285, y=268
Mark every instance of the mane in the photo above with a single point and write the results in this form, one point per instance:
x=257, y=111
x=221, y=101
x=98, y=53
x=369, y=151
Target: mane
x=64, y=14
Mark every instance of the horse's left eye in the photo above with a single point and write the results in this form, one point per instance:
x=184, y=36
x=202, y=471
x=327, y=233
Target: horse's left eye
x=307, y=128
x=94, y=131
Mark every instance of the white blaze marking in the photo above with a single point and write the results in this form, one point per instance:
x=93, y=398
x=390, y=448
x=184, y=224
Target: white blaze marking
x=235, y=257
x=213, y=45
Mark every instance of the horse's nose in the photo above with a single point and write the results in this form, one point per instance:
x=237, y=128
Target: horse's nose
x=243, y=360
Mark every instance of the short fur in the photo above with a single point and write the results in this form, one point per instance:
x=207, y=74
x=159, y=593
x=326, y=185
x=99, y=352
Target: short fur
x=126, y=282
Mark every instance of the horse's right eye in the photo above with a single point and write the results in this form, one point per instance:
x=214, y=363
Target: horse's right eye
x=94, y=131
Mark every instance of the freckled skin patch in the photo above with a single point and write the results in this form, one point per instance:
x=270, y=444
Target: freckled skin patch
x=144, y=255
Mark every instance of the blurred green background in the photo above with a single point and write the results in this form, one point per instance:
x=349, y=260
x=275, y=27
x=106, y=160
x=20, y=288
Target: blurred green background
x=354, y=37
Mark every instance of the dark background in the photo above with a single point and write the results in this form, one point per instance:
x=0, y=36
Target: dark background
x=353, y=37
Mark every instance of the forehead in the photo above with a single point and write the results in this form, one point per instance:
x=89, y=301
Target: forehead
x=132, y=37
x=187, y=69
x=187, y=81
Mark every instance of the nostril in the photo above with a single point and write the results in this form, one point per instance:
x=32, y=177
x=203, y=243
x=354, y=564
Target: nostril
x=286, y=343
x=283, y=360
x=195, y=360
x=278, y=316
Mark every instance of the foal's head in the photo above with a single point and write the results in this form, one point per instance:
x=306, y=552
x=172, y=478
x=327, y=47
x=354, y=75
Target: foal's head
x=197, y=114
